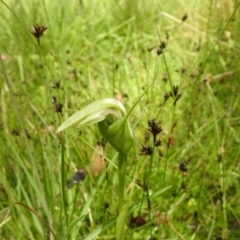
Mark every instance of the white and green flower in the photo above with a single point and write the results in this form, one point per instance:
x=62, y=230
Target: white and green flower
x=110, y=114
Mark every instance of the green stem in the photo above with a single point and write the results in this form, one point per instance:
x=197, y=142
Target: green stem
x=122, y=164
x=151, y=161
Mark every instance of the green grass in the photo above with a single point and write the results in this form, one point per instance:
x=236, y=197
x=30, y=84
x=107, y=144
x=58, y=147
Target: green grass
x=188, y=187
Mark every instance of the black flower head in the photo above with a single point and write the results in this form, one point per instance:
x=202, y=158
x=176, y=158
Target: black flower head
x=79, y=176
x=146, y=150
x=183, y=168
x=175, y=94
x=38, y=30
x=58, y=106
x=158, y=143
x=154, y=128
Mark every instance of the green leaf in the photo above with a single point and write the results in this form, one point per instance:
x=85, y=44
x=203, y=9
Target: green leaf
x=74, y=223
x=100, y=229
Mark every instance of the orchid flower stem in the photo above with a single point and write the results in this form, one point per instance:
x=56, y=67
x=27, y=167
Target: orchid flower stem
x=122, y=164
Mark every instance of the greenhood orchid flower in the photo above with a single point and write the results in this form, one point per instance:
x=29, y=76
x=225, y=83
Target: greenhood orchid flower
x=112, y=119
x=110, y=114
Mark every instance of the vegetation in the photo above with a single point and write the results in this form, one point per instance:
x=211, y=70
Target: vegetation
x=174, y=66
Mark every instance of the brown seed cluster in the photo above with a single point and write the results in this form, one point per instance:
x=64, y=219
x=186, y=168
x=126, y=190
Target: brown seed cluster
x=58, y=106
x=38, y=30
x=174, y=94
x=154, y=128
x=146, y=150
x=183, y=168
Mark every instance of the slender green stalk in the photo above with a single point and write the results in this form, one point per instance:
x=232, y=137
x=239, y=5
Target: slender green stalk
x=151, y=161
x=63, y=181
x=224, y=205
x=122, y=164
x=122, y=209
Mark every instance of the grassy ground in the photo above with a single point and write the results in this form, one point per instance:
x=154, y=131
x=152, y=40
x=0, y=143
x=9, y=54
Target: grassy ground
x=184, y=188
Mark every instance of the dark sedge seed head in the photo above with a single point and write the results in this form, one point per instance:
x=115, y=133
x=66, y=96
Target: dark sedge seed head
x=57, y=84
x=146, y=150
x=175, y=90
x=184, y=17
x=106, y=205
x=15, y=132
x=59, y=107
x=183, y=167
x=158, y=143
x=163, y=45
x=54, y=100
x=165, y=78
x=154, y=128
x=166, y=97
x=159, y=51
x=79, y=176
x=38, y=30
